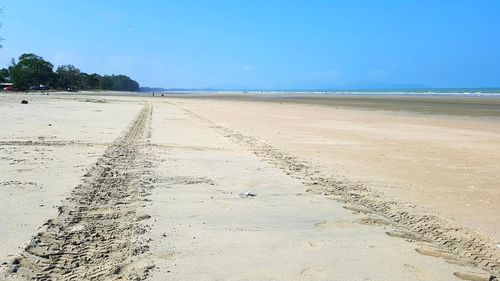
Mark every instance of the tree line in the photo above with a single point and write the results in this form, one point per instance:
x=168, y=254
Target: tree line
x=33, y=72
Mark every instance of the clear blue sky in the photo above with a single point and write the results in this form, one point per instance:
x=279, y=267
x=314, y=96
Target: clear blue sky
x=264, y=44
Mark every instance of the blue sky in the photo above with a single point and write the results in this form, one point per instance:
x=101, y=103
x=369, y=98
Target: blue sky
x=264, y=44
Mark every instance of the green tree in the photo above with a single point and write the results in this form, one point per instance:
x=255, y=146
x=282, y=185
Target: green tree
x=31, y=70
x=118, y=83
x=69, y=77
x=4, y=75
x=91, y=81
x=124, y=83
x=106, y=83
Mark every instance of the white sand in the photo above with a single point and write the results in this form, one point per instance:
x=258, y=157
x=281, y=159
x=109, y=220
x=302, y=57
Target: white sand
x=201, y=228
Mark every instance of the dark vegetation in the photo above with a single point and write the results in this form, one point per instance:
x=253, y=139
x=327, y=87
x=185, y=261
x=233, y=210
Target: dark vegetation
x=32, y=72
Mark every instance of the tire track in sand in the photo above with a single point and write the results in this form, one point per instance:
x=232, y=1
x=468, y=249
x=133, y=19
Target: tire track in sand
x=95, y=232
x=446, y=238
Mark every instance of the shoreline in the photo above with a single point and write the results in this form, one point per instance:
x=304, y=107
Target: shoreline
x=450, y=105
x=441, y=105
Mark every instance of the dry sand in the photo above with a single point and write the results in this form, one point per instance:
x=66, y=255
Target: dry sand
x=163, y=189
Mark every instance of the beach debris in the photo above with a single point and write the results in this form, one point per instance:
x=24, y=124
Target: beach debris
x=14, y=265
x=24, y=102
x=248, y=194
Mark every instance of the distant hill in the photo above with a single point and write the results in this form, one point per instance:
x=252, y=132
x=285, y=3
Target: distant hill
x=151, y=89
x=159, y=89
x=383, y=86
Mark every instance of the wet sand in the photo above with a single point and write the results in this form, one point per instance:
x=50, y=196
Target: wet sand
x=477, y=106
x=204, y=189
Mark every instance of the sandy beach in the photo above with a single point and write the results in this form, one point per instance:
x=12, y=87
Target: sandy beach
x=233, y=187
